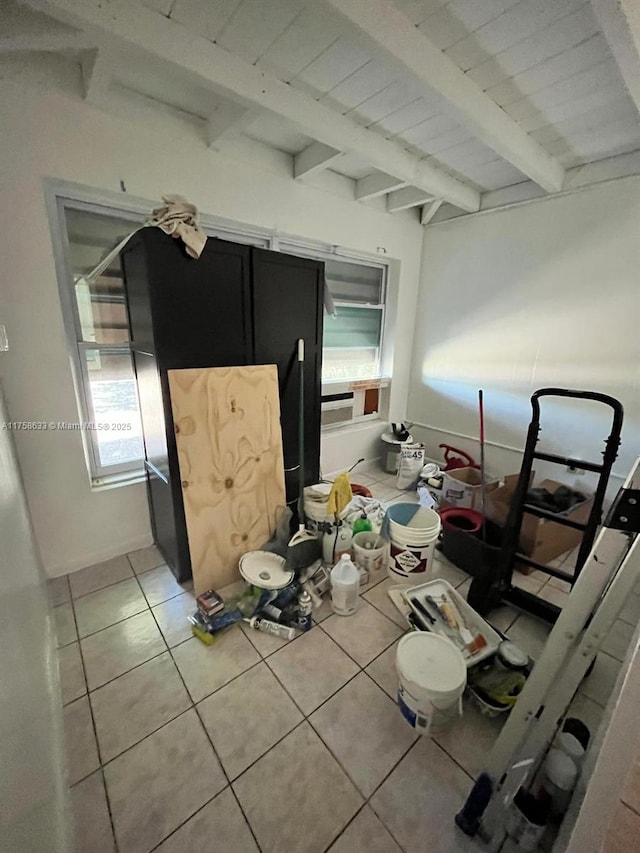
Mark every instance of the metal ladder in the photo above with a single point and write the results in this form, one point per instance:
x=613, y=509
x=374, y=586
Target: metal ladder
x=610, y=575
x=488, y=591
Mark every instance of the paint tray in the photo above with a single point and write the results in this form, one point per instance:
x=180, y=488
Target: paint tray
x=474, y=622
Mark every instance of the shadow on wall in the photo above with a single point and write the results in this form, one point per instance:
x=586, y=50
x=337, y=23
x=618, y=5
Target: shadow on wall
x=544, y=295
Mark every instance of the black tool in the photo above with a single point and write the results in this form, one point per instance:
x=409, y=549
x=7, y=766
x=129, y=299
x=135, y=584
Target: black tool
x=492, y=585
x=417, y=603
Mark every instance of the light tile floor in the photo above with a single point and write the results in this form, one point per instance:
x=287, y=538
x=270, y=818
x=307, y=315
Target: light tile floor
x=254, y=743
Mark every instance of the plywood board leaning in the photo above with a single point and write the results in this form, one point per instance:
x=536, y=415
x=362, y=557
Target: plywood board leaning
x=229, y=441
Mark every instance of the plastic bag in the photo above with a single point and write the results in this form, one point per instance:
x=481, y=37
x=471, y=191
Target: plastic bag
x=411, y=464
x=281, y=536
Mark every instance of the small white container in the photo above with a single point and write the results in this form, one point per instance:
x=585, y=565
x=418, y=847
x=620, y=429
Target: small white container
x=365, y=552
x=571, y=746
x=345, y=584
x=559, y=774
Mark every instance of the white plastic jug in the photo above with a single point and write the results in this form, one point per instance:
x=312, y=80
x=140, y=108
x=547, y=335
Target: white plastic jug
x=345, y=582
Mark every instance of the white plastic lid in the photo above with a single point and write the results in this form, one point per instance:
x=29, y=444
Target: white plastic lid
x=560, y=770
x=265, y=570
x=570, y=745
x=431, y=662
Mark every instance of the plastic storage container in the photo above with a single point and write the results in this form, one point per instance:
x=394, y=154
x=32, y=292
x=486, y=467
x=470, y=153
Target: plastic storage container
x=432, y=676
x=345, y=583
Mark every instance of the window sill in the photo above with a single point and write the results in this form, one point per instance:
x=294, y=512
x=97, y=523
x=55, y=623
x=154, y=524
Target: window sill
x=115, y=481
x=367, y=422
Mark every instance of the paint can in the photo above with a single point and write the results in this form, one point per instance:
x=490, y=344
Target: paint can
x=432, y=676
x=391, y=449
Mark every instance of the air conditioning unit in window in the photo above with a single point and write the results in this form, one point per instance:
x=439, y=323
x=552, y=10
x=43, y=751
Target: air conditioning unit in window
x=337, y=408
x=359, y=403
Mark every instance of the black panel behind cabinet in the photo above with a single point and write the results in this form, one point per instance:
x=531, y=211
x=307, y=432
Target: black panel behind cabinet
x=288, y=304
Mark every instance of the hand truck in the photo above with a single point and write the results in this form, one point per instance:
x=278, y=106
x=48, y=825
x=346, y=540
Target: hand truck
x=490, y=587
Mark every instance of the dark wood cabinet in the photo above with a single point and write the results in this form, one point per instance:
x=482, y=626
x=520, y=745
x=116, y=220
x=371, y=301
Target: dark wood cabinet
x=233, y=306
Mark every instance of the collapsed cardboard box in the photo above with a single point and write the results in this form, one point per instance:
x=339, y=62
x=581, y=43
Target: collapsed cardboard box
x=540, y=538
x=461, y=488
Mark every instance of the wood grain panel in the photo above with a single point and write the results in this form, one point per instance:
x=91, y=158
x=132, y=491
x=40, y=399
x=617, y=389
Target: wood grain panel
x=229, y=445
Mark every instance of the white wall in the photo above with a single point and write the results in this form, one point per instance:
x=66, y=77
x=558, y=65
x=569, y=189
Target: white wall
x=545, y=294
x=54, y=134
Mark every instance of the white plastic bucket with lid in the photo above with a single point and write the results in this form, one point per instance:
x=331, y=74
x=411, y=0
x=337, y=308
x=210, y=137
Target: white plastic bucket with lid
x=432, y=676
x=413, y=535
x=391, y=447
x=368, y=550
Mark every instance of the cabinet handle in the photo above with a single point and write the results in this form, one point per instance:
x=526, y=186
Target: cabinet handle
x=184, y=484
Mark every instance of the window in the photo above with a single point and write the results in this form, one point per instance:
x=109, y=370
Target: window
x=353, y=386
x=84, y=231
x=107, y=389
x=353, y=338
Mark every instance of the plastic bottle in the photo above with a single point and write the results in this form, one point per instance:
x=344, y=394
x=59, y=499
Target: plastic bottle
x=361, y=524
x=337, y=540
x=267, y=627
x=345, y=582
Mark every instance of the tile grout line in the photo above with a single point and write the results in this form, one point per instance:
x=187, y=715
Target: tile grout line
x=95, y=731
x=630, y=807
x=264, y=659
x=204, y=728
x=345, y=827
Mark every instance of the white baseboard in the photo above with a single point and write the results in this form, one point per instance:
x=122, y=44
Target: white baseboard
x=90, y=559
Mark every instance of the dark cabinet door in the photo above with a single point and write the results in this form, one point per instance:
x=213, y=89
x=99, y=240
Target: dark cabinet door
x=190, y=312
x=288, y=305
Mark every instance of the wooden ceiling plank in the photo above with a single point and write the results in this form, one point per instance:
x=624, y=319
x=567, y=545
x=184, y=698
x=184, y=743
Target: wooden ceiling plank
x=620, y=21
x=391, y=32
x=127, y=24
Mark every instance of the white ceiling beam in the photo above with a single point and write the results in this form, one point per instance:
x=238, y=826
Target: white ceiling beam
x=314, y=158
x=97, y=74
x=407, y=197
x=411, y=51
x=131, y=25
x=376, y=185
x=227, y=120
x=429, y=211
x=46, y=42
x=620, y=22
x=576, y=179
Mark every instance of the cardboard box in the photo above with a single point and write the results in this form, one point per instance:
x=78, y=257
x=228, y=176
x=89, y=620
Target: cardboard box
x=540, y=538
x=461, y=488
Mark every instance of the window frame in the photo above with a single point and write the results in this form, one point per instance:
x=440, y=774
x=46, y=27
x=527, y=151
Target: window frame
x=60, y=195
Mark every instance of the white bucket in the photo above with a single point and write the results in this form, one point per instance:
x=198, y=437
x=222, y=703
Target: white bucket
x=316, y=501
x=412, y=548
x=365, y=553
x=432, y=676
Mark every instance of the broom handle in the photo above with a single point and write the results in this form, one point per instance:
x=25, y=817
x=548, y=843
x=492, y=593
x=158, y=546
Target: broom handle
x=301, y=516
